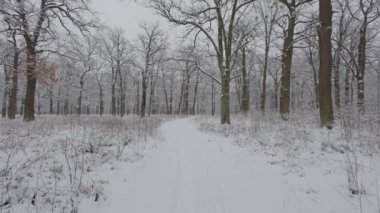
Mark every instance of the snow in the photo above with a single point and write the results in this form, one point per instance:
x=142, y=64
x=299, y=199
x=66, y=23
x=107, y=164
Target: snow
x=192, y=171
x=49, y=165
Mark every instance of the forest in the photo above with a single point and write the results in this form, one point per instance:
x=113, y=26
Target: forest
x=263, y=56
x=278, y=76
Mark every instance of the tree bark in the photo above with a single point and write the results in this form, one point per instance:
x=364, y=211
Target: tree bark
x=347, y=87
x=31, y=83
x=287, y=56
x=101, y=101
x=12, y=107
x=66, y=109
x=6, y=92
x=337, y=61
x=181, y=96
x=361, y=66
x=245, y=83
x=113, y=92
x=186, y=88
x=264, y=82
x=225, y=98
x=165, y=94
x=195, y=94
x=325, y=68
x=121, y=88
x=212, y=98
x=143, y=95
x=51, y=101
x=171, y=95
x=59, y=102
x=79, y=109
x=138, y=97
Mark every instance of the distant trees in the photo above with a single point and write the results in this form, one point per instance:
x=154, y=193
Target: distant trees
x=253, y=54
x=35, y=23
x=85, y=53
x=269, y=13
x=116, y=52
x=198, y=16
x=365, y=14
x=152, y=43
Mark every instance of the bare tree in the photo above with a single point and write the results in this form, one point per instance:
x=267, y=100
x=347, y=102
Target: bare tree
x=293, y=7
x=35, y=22
x=6, y=89
x=268, y=11
x=367, y=12
x=14, y=72
x=199, y=16
x=99, y=75
x=85, y=53
x=152, y=41
x=243, y=36
x=311, y=52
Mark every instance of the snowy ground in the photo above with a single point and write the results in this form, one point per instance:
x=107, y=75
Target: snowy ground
x=248, y=169
x=93, y=164
x=48, y=165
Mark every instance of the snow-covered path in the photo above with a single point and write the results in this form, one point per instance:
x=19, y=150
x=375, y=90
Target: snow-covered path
x=192, y=172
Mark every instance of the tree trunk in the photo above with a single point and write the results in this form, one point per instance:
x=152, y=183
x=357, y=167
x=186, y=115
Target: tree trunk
x=31, y=83
x=12, y=108
x=238, y=89
x=101, y=102
x=38, y=104
x=121, y=89
x=347, y=87
x=337, y=64
x=138, y=97
x=264, y=82
x=276, y=93
x=171, y=96
x=225, y=98
x=212, y=98
x=315, y=75
x=143, y=96
x=195, y=93
x=325, y=68
x=59, y=102
x=66, y=109
x=79, y=109
x=287, y=56
x=245, y=84
x=337, y=82
x=181, y=97
x=316, y=89
x=361, y=66
x=6, y=92
x=165, y=94
x=51, y=101
x=113, y=92
x=360, y=93
x=152, y=93
x=186, y=88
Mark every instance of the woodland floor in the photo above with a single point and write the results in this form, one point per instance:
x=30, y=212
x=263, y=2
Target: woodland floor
x=193, y=171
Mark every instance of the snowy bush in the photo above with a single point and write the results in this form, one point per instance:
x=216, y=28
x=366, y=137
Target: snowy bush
x=299, y=143
x=46, y=166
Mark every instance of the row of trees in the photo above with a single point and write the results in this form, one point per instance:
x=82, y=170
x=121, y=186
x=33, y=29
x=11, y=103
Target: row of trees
x=252, y=53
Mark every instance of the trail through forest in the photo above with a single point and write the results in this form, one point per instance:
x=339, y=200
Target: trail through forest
x=193, y=172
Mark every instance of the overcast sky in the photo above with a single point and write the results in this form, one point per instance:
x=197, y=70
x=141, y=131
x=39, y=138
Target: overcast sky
x=127, y=15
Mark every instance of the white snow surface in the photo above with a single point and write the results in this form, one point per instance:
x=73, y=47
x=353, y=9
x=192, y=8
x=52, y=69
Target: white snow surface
x=195, y=172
